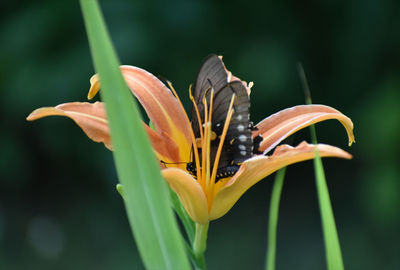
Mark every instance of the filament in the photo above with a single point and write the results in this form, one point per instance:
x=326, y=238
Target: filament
x=221, y=142
x=196, y=153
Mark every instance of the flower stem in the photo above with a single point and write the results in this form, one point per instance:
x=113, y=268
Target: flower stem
x=199, y=245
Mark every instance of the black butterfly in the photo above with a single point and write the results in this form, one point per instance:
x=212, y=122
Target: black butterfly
x=239, y=144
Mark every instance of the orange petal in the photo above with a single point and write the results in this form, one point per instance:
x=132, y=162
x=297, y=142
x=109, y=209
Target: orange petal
x=280, y=125
x=165, y=149
x=189, y=192
x=90, y=117
x=160, y=104
x=257, y=168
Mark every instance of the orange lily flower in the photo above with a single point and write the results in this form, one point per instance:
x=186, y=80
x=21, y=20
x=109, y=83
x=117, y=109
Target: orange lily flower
x=203, y=198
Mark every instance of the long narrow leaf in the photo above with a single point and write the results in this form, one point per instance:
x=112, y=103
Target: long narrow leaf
x=332, y=246
x=146, y=195
x=273, y=219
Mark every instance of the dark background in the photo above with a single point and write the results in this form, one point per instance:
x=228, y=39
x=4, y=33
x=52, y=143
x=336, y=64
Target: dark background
x=58, y=204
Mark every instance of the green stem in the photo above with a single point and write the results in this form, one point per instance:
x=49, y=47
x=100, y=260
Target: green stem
x=200, y=239
x=273, y=219
x=199, y=245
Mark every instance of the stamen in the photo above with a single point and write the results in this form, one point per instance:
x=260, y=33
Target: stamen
x=208, y=139
x=196, y=153
x=197, y=158
x=204, y=152
x=197, y=111
x=221, y=142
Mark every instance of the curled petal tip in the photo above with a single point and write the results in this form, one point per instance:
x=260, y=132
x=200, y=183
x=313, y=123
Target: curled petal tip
x=43, y=112
x=94, y=86
x=279, y=126
x=352, y=140
x=31, y=116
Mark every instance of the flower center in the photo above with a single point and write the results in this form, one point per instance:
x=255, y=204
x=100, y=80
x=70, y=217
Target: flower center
x=205, y=176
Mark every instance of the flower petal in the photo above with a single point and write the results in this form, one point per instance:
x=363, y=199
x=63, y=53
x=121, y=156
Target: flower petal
x=90, y=117
x=165, y=149
x=280, y=125
x=189, y=192
x=257, y=168
x=160, y=104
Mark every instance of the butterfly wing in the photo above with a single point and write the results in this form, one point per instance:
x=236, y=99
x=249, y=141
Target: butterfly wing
x=238, y=143
x=212, y=74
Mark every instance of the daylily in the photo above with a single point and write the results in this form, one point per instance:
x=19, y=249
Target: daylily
x=172, y=139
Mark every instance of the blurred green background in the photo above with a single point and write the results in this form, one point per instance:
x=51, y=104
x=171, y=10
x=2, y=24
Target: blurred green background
x=58, y=204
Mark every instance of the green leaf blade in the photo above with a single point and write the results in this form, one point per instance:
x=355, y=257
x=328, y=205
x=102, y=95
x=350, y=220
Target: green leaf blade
x=145, y=192
x=273, y=219
x=333, y=252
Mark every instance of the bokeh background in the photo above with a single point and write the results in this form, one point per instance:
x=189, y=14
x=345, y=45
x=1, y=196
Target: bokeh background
x=58, y=204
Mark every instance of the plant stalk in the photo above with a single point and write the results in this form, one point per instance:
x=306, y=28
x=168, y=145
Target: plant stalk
x=199, y=245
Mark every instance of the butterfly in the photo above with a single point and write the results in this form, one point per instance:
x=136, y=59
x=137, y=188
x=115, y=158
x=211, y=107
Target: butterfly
x=238, y=144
